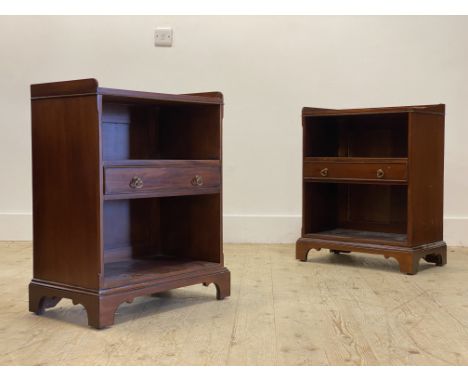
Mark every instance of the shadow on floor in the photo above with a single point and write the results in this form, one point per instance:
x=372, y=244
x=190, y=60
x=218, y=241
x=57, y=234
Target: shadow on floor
x=364, y=261
x=157, y=303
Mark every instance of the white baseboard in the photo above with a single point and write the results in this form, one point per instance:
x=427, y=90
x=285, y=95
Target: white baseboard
x=287, y=228
x=456, y=231
x=261, y=228
x=237, y=228
x=15, y=226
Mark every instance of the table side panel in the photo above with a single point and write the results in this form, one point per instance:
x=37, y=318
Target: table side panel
x=426, y=174
x=67, y=190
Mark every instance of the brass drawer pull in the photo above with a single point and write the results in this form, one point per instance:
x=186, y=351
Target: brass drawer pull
x=380, y=173
x=197, y=180
x=136, y=182
x=324, y=172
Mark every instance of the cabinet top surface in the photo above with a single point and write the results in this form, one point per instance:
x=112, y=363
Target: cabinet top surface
x=320, y=112
x=90, y=86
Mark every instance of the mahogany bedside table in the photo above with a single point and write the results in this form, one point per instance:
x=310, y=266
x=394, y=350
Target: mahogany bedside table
x=373, y=183
x=127, y=195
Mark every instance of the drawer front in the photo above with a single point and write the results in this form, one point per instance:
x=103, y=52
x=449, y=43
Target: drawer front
x=374, y=172
x=162, y=181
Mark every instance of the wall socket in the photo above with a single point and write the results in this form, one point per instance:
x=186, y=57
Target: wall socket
x=163, y=36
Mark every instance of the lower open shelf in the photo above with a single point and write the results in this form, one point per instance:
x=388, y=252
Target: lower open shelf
x=346, y=234
x=158, y=268
x=367, y=213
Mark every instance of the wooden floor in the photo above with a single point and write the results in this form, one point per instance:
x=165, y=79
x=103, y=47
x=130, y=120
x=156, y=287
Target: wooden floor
x=332, y=310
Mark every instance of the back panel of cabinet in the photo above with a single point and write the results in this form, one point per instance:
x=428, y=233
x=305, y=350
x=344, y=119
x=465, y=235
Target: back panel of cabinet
x=182, y=226
x=160, y=132
x=374, y=136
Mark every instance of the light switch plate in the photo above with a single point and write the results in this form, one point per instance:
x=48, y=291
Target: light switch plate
x=163, y=36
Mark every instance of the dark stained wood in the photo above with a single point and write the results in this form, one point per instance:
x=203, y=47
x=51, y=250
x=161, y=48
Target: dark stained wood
x=180, y=134
x=355, y=170
x=172, y=226
x=322, y=215
x=366, y=207
x=346, y=234
x=163, y=163
x=349, y=208
x=407, y=257
x=375, y=208
x=101, y=307
x=136, y=271
x=353, y=159
x=130, y=132
x=118, y=95
x=135, y=131
x=64, y=88
x=426, y=167
x=132, y=228
x=91, y=86
x=215, y=94
x=66, y=191
x=163, y=179
x=427, y=109
x=88, y=145
x=356, y=135
x=191, y=226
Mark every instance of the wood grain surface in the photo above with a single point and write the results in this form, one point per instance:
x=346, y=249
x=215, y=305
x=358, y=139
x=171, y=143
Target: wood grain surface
x=355, y=170
x=163, y=180
x=95, y=153
x=374, y=170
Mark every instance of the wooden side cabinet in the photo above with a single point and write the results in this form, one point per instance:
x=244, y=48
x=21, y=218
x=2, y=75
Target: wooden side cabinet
x=127, y=195
x=373, y=183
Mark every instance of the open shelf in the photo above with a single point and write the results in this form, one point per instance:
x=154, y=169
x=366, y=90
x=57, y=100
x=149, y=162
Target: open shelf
x=360, y=212
x=347, y=234
x=181, y=228
x=370, y=135
x=154, y=269
x=161, y=163
x=357, y=159
x=136, y=131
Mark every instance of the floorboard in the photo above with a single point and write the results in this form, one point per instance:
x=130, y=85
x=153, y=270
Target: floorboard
x=332, y=310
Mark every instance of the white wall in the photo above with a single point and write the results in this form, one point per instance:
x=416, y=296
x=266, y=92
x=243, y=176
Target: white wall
x=267, y=68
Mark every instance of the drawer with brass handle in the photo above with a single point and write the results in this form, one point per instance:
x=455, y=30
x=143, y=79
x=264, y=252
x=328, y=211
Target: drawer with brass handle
x=161, y=178
x=356, y=170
